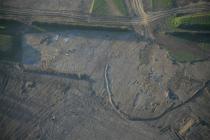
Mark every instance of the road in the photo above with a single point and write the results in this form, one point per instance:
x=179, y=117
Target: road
x=147, y=18
x=68, y=17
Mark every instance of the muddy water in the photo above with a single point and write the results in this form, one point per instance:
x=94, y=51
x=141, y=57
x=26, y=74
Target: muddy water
x=20, y=52
x=15, y=50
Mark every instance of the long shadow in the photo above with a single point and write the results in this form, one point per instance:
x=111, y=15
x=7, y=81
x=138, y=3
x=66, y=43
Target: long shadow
x=15, y=48
x=73, y=76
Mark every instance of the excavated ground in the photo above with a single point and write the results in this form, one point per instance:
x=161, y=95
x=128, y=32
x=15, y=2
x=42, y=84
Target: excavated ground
x=58, y=89
x=91, y=84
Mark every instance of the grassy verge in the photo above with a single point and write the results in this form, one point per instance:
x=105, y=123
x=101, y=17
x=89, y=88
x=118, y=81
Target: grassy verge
x=182, y=56
x=183, y=26
x=100, y=7
x=161, y=3
x=39, y=28
x=120, y=4
x=194, y=29
x=199, y=21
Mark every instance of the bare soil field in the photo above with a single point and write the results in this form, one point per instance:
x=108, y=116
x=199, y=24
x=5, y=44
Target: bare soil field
x=81, y=83
x=46, y=106
x=68, y=76
x=71, y=5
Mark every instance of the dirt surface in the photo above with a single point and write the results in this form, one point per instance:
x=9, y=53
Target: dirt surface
x=92, y=84
x=130, y=61
x=144, y=81
x=72, y=5
x=46, y=106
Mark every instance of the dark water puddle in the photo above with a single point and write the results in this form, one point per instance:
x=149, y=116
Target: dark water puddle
x=11, y=43
x=53, y=27
x=19, y=52
x=196, y=27
x=10, y=26
x=195, y=37
x=10, y=49
x=23, y=53
x=30, y=55
x=15, y=27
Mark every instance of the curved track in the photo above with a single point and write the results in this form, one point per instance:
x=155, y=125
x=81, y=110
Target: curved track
x=126, y=116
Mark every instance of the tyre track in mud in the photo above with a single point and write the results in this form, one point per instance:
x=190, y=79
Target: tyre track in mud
x=172, y=107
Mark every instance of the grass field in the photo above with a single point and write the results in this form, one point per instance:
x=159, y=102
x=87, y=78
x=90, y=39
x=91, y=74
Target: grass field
x=200, y=20
x=182, y=27
x=183, y=56
x=101, y=7
x=161, y=3
x=120, y=4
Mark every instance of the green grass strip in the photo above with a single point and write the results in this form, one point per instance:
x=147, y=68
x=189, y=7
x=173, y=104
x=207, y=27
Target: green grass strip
x=100, y=7
x=196, y=19
x=161, y=3
x=121, y=6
